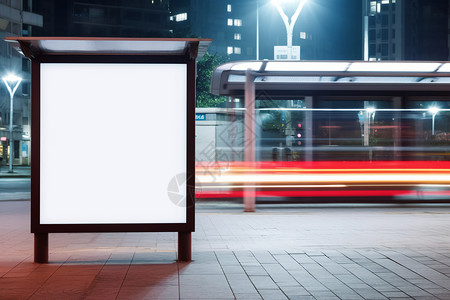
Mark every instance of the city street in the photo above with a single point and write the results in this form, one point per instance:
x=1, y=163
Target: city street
x=14, y=189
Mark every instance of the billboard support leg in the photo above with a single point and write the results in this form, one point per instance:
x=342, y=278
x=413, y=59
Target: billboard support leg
x=41, y=248
x=184, y=246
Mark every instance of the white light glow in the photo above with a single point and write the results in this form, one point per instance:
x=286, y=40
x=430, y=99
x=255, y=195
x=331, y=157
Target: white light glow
x=392, y=67
x=433, y=110
x=12, y=82
x=12, y=78
x=307, y=66
x=255, y=66
x=370, y=110
x=106, y=135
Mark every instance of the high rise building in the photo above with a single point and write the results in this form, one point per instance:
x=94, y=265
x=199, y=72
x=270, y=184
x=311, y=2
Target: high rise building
x=17, y=18
x=230, y=23
x=101, y=18
x=406, y=29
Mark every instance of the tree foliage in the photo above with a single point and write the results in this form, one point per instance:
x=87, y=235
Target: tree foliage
x=205, y=68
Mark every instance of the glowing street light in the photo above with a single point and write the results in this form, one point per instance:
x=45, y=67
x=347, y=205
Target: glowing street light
x=12, y=82
x=289, y=23
x=433, y=111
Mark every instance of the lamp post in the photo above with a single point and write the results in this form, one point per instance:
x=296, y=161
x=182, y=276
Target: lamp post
x=12, y=82
x=433, y=111
x=289, y=24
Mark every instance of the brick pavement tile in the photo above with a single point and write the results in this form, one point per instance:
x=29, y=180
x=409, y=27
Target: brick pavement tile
x=13, y=293
x=287, y=262
x=294, y=291
x=233, y=270
x=369, y=293
x=273, y=295
x=391, y=295
x=149, y=292
x=331, y=266
x=255, y=270
x=264, y=257
x=227, y=258
x=279, y=275
x=247, y=296
x=246, y=258
x=241, y=284
x=323, y=294
x=263, y=283
x=204, y=287
x=303, y=259
x=194, y=268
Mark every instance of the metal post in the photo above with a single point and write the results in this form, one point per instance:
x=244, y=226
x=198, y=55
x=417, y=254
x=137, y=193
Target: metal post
x=12, y=82
x=184, y=246
x=11, y=141
x=290, y=25
x=257, y=30
x=308, y=129
x=249, y=147
x=432, y=125
x=366, y=31
x=41, y=248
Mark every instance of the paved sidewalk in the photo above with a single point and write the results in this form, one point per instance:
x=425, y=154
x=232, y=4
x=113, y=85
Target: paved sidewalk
x=297, y=252
x=18, y=172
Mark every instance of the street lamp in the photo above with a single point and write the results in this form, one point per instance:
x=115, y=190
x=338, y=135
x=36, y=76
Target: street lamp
x=12, y=82
x=289, y=24
x=433, y=111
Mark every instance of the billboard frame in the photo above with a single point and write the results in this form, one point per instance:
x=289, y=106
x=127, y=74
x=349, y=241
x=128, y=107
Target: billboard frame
x=34, y=50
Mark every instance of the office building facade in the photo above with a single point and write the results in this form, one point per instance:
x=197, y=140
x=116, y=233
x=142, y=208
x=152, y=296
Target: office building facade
x=406, y=29
x=17, y=18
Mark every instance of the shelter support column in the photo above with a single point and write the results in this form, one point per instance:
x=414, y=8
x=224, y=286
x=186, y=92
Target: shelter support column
x=249, y=144
x=308, y=132
x=397, y=127
x=41, y=248
x=184, y=246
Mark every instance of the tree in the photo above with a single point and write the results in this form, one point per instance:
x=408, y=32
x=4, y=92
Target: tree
x=205, y=68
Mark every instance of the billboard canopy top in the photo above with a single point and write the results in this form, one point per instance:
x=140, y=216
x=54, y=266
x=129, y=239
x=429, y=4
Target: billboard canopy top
x=35, y=47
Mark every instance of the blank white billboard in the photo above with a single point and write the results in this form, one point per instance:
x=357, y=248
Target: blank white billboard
x=113, y=143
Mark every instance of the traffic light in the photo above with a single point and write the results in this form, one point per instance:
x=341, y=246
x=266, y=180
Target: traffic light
x=298, y=133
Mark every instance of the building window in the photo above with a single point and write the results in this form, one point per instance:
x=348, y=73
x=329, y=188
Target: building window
x=372, y=35
x=237, y=36
x=373, y=7
x=384, y=34
x=384, y=50
x=179, y=18
x=230, y=22
x=384, y=20
x=229, y=8
x=229, y=50
x=237, y=22
x=237, y=50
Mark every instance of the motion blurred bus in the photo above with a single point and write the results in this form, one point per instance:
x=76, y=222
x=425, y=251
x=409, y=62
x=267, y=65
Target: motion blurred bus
x=331, y=131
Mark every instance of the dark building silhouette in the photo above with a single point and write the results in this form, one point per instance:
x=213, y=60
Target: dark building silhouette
x=407, y=29
x=104, y=18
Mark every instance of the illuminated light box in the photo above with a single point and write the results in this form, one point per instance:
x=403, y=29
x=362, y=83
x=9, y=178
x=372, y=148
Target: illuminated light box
x=113, y=136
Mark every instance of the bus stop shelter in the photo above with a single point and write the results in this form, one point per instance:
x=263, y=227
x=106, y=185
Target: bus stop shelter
x=393, y=84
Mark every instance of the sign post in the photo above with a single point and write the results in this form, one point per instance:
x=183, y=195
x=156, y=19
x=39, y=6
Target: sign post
x=101, y=88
